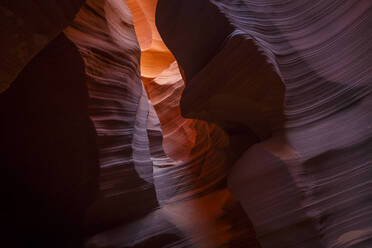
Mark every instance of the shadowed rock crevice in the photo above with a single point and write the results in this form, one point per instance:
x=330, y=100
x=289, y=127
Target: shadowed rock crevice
x=49, y=151
x=241, y=123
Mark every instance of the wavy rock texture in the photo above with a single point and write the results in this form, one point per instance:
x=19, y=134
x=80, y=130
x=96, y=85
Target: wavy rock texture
x=193, y=183
x=196, y=167
x=27, y=27
x=126, y=211
x=313, y=174
x=155, y=56
x=231, y=77
x=192, y=189
x=197, y=148
x=287, y=82
x=185, y=141
x=132, y=161
x=104, y=33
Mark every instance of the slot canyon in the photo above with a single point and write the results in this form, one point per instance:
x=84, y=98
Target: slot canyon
x=186, y=123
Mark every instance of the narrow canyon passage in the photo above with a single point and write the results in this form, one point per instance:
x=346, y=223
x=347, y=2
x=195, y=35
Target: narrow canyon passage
x=188, y=123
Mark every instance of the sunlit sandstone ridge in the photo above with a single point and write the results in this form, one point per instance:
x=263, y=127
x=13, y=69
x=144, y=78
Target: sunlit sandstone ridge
x=155, y=56
x=199, y=149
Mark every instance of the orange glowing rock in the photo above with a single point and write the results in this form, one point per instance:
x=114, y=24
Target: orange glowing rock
x=155, y=56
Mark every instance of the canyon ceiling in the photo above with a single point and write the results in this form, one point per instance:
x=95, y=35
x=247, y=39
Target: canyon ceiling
x=186, y=123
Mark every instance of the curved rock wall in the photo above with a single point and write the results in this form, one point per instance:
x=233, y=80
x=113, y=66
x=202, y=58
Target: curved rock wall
x=320, y=51
x=287, y=83
x=192, y=189
x=155, y=56
x=103, y=31
x=192, y=181
x=197, y=148
x=187, y=176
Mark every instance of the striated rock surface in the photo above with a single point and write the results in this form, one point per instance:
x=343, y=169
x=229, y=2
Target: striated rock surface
x=118, y=135
x=305, y=183
x=103, y=31
x=187, y=175
x=290, y=184
x=155, y=56
x=232, y=78
x=191, y=188
x=135, y=172
x=321, y=50
x=197, y=147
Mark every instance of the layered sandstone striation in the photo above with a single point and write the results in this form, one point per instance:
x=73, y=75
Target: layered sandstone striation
x=289, y=182
x=191, y=179
x=162, y=123
x=104, y=33
x=321, y=51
